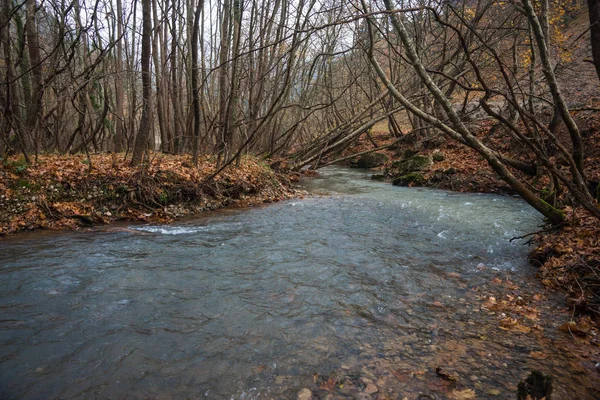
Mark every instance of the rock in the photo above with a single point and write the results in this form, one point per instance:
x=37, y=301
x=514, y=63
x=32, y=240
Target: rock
x=304, y=394
x=394, y=146
x=450, y=171
x=370, y=160
x=408, y=153
x=472, y=111
x=437, y=176
x=537, y=386
x=408, y=139
x=378, y=177
x=371, y=389
x=413, y=178
x=364, y=380
x=432, y=142
x=438, y=156
x=412, y=164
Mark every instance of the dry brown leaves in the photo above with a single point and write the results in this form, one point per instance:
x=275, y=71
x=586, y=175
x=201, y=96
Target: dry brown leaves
x=64, y=192
x=569, y=258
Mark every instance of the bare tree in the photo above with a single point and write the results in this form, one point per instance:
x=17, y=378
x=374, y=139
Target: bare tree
x=456, y=129
x=594, y=10
x=118, y=143
x=195, y=83
x=141, y=139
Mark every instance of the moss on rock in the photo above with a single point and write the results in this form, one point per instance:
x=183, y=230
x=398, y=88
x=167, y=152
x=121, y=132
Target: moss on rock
x=414, y=163
x=412, y=178
x=370, y=160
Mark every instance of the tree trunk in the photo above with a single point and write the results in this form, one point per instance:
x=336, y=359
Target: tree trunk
x=12, y=113
x=35, y=107
x=195, y=88
x=231, y=105
x=557, y=96
x=223, y=92
x=177, y=114
x=158, y=65
x=594, y=8
x=118, y=142
x=461, y=132
x=144, y=129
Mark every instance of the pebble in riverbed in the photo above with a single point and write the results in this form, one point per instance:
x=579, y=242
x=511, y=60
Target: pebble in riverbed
x=371, y=389
x=304, y=394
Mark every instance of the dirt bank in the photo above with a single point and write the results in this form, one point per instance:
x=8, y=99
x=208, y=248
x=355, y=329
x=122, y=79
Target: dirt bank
x=70, y=192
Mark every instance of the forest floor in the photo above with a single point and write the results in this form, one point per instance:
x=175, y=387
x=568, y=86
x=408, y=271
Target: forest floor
x=70, y=192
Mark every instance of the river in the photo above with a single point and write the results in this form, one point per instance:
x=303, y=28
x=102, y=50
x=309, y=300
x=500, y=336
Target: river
x=363, y=283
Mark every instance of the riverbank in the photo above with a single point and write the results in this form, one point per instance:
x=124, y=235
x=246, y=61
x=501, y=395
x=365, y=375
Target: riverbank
x=73, y=192
x=568, y=257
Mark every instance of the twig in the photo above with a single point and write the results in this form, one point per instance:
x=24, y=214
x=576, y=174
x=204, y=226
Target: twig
x=549, y=229
x=585, y=109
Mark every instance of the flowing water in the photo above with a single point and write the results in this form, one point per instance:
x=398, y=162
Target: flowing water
x=370, y=281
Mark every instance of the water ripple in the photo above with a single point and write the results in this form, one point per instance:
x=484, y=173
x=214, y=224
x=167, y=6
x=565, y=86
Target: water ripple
x=242, y=305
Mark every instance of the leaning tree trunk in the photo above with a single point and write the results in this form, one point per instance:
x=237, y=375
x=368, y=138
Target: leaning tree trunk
x=461, y=133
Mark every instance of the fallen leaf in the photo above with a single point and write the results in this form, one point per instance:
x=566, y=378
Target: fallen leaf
x=401, y=375
x=580, y=329
x=538, y=355
x=490, y=303
x=463, y=394
x=513, y=325
x=448, y=375
x=328, y=385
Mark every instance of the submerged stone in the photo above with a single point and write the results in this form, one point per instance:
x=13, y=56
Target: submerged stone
x=304, y=394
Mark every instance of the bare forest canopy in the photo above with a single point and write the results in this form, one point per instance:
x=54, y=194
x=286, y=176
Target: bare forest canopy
x=301, y=79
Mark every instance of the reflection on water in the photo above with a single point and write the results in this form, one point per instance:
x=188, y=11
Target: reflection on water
x=252, y=304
